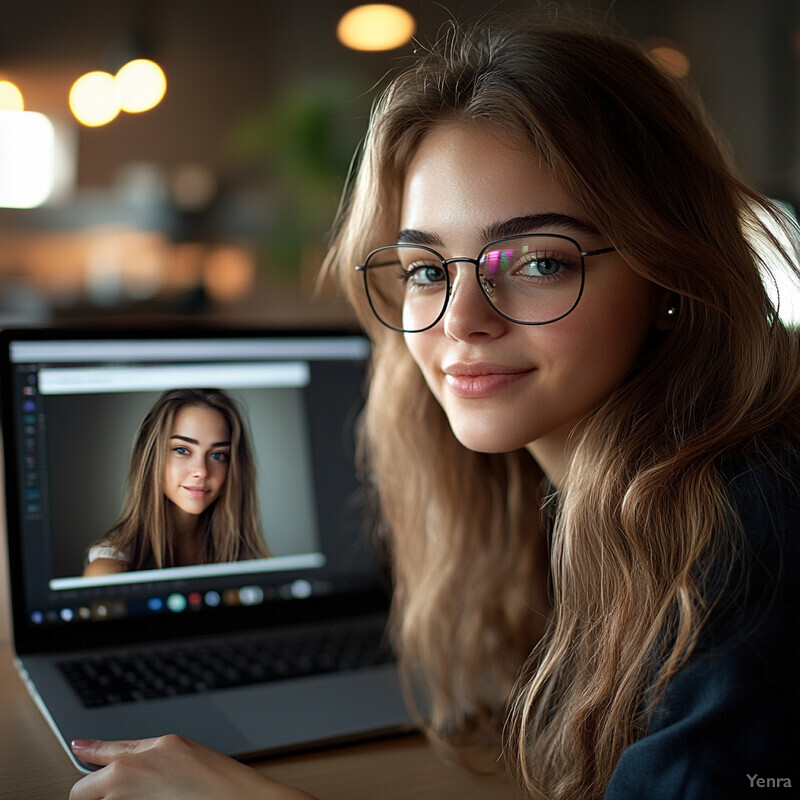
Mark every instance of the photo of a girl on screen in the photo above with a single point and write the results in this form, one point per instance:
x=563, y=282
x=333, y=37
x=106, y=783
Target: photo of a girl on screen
x=191, y=491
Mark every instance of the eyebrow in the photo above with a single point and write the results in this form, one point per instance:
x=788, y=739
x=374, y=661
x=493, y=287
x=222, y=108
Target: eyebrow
x=511, y=227
x=194, y=441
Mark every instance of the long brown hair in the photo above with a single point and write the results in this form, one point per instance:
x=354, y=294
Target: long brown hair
x=643, y=504
x=231, y=525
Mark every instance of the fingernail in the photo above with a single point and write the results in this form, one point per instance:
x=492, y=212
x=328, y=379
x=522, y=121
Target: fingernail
x=81, y=744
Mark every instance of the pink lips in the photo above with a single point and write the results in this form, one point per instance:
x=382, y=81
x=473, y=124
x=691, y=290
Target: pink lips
x=480, y=379
x=196, y=491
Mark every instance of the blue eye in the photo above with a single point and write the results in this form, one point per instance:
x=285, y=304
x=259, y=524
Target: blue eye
x=181, y=451
x=219, y=456
x=426, y=275
x=542, y=267
x=546, y=262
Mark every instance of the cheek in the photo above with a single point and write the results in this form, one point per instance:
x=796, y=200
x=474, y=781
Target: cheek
x=220, y=471
x=421, y=348
x=601, y=344
x=174, y=472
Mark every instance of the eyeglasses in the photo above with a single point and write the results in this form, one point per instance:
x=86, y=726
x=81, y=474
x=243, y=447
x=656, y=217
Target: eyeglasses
x=533, y=279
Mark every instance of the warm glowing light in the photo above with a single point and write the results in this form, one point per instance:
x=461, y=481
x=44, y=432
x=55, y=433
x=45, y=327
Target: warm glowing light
x=10, y=97
x=229, y=273
x=671, y=60
x=94, y=99
x=141, y=84
x=27, y=159
x=376, y=26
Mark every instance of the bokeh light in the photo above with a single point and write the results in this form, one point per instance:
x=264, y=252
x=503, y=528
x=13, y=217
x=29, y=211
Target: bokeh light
x=672, y=60
x=27, y=159
x=141, y=84
x=376, y=26
x=229, y=273
x=193, y=187
x=94, y=99
x=10, y=97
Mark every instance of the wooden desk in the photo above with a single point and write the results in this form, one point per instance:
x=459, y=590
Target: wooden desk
x=33, y=765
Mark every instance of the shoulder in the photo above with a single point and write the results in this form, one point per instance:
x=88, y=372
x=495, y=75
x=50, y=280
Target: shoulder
x=104, y=566
x=763, y=490
x=730, y=713
x=105, y=551
x=102, y=559
x=764, y=486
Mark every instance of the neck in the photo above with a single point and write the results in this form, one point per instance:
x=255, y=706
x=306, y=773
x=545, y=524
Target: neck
x=185, y=529
x=552, y=453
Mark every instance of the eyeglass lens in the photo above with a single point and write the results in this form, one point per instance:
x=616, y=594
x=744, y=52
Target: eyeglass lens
x=531, y=279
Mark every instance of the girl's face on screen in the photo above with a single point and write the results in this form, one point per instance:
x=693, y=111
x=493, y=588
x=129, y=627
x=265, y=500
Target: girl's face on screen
x=197, y=458
x=503, y=385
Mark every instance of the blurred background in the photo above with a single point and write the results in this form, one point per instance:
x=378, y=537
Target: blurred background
x=204, y=185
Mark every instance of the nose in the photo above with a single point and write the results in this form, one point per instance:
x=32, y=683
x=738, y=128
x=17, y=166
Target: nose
x=199, y=468
x=468, y=312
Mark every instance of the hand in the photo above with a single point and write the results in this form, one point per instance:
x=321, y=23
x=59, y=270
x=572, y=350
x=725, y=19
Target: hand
x=170, y=767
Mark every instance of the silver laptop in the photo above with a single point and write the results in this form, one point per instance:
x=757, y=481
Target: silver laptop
x=251, y=657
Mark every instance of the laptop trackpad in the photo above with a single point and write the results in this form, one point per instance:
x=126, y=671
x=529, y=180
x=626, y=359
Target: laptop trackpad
x=315, y=709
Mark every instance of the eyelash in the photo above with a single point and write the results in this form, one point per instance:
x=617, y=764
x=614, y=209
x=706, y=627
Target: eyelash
x=410, y=273
x=184, y=451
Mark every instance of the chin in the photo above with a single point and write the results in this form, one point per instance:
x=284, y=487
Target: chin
x=489, y=442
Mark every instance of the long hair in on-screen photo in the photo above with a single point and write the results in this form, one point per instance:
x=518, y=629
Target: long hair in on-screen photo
x=231, y=526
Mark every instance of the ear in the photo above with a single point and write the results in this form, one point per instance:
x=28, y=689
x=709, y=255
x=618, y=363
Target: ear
x=667, y=308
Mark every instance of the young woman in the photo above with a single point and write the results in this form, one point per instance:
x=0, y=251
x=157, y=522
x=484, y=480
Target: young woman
x=582, y=429
x=191, y=493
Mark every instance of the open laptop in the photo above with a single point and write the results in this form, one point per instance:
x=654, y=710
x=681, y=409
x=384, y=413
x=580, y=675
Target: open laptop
x=249, y=657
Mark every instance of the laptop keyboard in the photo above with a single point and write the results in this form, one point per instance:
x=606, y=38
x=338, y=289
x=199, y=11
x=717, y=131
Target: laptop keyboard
x=168, y=671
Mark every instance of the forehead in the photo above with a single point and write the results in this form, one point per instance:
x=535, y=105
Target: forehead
x=202, y=420
x=464, y=175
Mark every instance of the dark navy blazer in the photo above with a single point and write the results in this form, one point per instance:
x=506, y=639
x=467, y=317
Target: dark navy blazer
x=729, y=724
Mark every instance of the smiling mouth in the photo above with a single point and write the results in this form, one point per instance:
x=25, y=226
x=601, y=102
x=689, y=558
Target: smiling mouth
x=478, y=381
x=196, y=491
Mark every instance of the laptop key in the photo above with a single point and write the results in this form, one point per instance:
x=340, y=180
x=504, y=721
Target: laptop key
x=168, y=672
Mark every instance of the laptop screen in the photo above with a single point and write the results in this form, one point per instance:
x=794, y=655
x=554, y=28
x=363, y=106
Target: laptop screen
x=82, y=464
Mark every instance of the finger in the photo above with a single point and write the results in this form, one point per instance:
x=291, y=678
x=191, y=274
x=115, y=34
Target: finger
x=102, y=753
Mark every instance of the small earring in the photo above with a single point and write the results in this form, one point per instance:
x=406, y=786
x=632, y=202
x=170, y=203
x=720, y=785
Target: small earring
x=672, y=311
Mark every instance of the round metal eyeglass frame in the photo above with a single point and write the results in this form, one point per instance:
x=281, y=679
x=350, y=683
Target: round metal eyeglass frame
x=482, y=280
